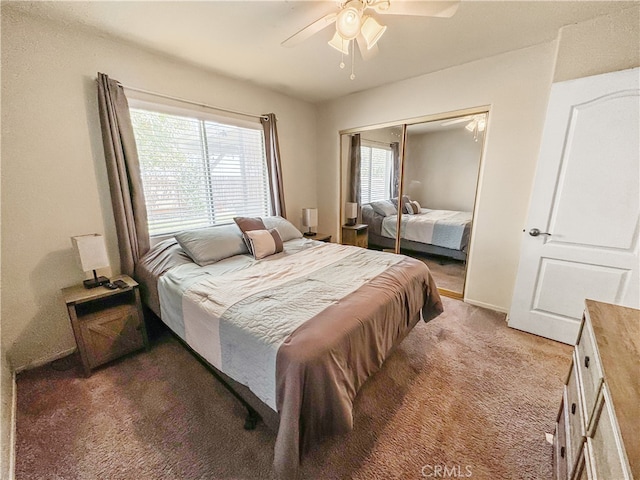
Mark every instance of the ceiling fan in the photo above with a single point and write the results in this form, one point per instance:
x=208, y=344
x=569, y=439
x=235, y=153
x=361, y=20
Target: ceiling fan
x=477, y=123
x=354, y=20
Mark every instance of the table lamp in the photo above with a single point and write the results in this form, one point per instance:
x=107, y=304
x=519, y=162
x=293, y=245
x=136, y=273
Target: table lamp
x=351, y=212
x=310, y=220
x=92, y=252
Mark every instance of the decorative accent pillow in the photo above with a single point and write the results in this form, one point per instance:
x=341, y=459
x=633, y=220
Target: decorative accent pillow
x=408, y=209
x=210, y=245
x=247, y=224
x=384, y=208
x=405, y=199
x=285, y=228
x=264, y=242
x=416, y=206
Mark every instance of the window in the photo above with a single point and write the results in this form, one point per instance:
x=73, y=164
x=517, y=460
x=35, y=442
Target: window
x=198, y=172
x=376, y=167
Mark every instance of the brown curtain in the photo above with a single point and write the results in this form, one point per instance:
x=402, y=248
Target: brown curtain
x=274, y=166
x=354, y=169
x=123, y=169
x=395, y=185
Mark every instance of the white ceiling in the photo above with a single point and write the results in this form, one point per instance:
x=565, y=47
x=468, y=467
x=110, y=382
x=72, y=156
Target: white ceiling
x=242, y=38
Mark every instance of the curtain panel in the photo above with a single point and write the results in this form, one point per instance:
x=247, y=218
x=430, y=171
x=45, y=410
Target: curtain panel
x=395, y=184
x=274, y=165
x=123, y=170
x=354, y=169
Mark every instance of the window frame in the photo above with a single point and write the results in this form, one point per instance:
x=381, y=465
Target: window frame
x=204, y=114
x=388, y=168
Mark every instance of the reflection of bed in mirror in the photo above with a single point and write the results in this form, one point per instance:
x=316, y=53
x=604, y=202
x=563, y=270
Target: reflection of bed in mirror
x=434, y=232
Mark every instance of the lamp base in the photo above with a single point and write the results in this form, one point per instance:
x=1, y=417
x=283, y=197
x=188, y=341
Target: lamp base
x=309, y=234
x=351, y=221
x=95, y=282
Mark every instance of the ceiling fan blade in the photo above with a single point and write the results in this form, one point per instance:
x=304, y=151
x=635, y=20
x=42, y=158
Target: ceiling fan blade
x=457, y=120
x=367, y=53
x=416, y=8
x=310, y=30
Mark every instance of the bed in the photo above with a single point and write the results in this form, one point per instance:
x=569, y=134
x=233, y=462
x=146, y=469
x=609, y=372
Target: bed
x=295, y=334
x=434, y=232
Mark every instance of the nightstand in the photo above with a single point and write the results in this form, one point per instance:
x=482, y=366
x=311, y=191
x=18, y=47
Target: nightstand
x=357, y=235
x=321, y=237
x=107, y=323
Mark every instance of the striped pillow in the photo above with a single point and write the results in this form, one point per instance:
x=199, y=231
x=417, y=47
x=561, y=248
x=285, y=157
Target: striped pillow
x=263, y=242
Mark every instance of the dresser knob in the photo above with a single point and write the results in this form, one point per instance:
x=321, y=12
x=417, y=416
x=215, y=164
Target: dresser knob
x=573, y=409
x=586, y=362
x=562, y=452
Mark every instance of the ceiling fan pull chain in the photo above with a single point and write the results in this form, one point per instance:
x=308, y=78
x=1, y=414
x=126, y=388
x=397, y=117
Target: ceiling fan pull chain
x=353, y=60
x=342, y=54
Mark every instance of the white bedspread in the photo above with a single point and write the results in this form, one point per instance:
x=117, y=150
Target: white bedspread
x=238, y=312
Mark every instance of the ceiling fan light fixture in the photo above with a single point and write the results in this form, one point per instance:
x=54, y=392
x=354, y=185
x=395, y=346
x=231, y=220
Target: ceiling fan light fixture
x=339, y=43
x=349, y=21
x=372, y=31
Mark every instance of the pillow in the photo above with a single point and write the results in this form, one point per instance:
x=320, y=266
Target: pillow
x=416, y=206
x=247, y=224
x=285, y=228
x=209, y=245
x=405, y=200
x=408, y=209
x=264, y=242
x=384, y=208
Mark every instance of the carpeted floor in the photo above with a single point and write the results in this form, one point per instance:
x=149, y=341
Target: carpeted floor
x=462, y=392
x=447, y=272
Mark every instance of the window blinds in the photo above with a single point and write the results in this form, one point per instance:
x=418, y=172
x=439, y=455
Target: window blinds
x=375, y=173
x=197, y=173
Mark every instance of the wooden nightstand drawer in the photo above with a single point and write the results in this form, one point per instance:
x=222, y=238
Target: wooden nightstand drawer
x=111, y=333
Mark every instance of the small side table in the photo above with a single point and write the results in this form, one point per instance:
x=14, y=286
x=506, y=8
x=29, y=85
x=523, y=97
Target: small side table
x=107, y=324
x=357, y=235
x=321, y=237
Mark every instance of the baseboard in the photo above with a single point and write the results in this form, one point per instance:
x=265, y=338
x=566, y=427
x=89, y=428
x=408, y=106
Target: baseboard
x=495, y=308
x=44, y=360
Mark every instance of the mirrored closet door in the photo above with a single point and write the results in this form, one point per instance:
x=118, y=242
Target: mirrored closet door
x=371, y=184
x=415, y=190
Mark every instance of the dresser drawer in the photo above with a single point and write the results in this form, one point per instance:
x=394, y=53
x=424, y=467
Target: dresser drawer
x=560, y=446
x=608, y=458
x=576, y=429
x=583, y=465
x=589, y=369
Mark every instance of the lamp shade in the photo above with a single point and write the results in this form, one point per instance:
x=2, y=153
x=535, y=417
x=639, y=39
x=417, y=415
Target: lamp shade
x=372, y=31
x=339, y=43
x=310, y=217
x=91, y=251
x=351, y=210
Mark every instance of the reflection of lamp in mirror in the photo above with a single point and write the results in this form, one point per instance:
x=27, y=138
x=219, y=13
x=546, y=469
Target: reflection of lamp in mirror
x=310, y=220
x=92, y=254
x=351, y=213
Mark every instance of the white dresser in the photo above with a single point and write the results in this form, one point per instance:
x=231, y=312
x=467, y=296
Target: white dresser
x=598, y=429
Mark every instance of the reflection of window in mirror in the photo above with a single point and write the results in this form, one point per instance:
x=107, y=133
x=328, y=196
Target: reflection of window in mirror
x=376, y=166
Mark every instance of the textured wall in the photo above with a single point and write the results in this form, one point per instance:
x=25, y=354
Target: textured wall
x=54, y=181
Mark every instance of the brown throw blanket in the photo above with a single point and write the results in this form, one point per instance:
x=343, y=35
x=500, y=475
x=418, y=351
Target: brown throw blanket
x=322, y=364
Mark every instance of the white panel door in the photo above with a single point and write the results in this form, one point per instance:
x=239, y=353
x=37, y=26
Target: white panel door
x=581, y=236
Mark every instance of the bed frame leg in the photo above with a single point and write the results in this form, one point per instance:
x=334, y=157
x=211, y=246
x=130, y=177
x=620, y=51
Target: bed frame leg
x=252, y=419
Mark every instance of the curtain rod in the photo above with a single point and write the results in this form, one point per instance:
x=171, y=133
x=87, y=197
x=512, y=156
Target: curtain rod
x=205, y=105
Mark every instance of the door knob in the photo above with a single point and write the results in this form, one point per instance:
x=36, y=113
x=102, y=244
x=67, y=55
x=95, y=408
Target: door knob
x=534, y=232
